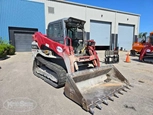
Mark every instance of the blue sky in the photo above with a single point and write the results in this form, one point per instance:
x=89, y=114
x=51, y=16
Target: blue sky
x=142, y=7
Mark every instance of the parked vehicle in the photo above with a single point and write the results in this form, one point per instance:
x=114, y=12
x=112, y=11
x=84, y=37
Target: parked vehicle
x=64, y=57
x=139, y=45
x=146, y=53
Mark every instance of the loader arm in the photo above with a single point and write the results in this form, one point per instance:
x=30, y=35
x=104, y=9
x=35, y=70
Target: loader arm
x=66, y=51
x=146, y=53
x=58, y=48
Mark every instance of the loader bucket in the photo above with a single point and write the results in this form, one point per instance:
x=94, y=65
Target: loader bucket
x=89, y=88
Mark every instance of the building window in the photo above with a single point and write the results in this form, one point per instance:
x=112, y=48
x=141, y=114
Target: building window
x=51, y=10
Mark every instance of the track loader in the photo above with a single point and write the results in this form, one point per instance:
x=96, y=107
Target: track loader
x=139, y=45
x=64, y=57
x=146, y=53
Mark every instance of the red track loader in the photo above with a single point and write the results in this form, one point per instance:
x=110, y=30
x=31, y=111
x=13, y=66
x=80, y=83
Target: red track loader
x=64, y=57
x=139, y=45
x=146, y=53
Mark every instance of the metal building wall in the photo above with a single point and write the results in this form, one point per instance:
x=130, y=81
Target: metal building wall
x=21, y=13
x=59, y=9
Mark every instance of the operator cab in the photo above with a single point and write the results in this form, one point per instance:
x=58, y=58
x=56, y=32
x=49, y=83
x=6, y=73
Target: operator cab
x=75, y=31
x=68, y=27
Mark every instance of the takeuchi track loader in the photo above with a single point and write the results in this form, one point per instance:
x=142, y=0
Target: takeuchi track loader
x=146, y=53
x=64, y=57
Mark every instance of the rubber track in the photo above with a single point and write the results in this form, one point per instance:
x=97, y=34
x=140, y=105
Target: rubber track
x=61, y=73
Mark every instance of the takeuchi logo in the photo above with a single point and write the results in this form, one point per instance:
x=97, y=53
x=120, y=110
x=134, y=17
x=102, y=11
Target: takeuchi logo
x=59, y=49
x=20, y=104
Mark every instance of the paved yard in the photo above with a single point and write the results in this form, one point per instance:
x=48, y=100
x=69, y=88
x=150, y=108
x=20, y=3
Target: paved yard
x=17, y=82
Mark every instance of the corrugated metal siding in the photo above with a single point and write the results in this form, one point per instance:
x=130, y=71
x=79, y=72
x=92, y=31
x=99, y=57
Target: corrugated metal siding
x=100, y=32
x=0, y=17
x=125, y=36
x=23, y=42
x=21, y=13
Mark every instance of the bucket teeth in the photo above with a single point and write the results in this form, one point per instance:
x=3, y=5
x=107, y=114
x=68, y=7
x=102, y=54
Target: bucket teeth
x=131, y=85
x=126, y=87
x=105, y=102
x=99, y=106
x=116, y=95
x=110, y=98
x=91, y=110
x=120, y=92
x=124, y=90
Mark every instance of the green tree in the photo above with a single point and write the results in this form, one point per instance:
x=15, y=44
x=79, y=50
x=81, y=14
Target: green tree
x=142, y=35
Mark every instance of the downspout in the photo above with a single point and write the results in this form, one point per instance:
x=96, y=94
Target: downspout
x=85, y=34
x=115, y=40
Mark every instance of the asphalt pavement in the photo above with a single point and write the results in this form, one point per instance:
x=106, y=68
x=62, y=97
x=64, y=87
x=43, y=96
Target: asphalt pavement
x=22, y=93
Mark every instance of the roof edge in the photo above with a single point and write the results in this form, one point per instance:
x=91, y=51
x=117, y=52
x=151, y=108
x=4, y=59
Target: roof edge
x=94, y=7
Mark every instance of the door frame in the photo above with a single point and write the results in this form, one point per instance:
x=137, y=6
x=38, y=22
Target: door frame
x=123, y=24
x=13, y=30
x=110, y=40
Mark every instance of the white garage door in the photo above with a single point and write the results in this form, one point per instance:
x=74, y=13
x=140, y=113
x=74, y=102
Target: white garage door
x=125, y=36
x=23, y=42
x=100, y=32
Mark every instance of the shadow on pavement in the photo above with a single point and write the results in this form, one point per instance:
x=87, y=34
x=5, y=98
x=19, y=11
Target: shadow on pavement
x=4, y=58
x=136, y=60
x=143, y=62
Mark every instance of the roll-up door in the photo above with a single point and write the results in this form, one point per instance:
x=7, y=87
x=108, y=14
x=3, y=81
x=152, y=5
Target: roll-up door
x=23, y=42
x=100, y=32
x=125, y=36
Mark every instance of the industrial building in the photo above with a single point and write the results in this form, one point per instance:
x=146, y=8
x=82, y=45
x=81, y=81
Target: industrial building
x=109, y=28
